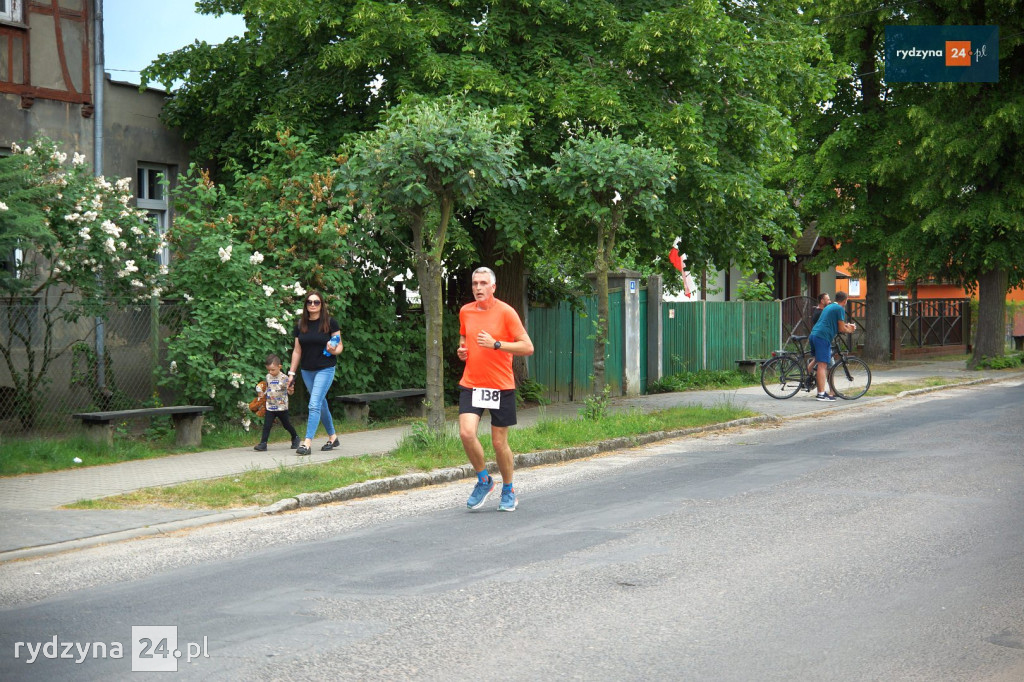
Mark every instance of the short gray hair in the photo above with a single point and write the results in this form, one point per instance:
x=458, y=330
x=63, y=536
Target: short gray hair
x=494, y=278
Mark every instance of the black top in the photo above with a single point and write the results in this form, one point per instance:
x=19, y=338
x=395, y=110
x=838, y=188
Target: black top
x=815, y=314
x=313, y=343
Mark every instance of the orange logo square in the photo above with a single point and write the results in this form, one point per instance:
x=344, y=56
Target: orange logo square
x=958, y=53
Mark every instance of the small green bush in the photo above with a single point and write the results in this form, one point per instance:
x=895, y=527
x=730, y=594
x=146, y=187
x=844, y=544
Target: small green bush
x=1003, y=362
x=702, y=379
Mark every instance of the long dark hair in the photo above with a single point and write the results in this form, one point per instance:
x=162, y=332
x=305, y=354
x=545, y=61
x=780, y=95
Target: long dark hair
x=325, y=316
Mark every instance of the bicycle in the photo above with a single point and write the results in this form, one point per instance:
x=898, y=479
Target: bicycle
x=786, y=373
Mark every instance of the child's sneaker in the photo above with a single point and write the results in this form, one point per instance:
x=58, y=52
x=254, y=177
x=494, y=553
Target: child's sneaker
x=296, y=442
x=260, y=447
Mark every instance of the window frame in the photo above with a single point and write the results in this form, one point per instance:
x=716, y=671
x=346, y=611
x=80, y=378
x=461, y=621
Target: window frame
x=158, y=209
x=15, y=14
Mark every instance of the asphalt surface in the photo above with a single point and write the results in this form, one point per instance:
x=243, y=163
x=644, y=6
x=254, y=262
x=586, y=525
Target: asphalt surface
x=33, y=524
x=860, y=544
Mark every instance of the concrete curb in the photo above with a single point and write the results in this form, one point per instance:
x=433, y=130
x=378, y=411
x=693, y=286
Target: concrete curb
x=128, y=534
x=380, y=486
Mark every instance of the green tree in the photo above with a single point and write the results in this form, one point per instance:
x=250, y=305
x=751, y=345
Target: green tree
x=423, y=163
x=910, y=178
x=79, y=249
x=716, y=81
x=968, y=137
x=246, y=253
x=844, y=144
x=603, y=182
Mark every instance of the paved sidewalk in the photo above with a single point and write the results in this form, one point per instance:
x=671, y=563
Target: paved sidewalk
x=32, y=524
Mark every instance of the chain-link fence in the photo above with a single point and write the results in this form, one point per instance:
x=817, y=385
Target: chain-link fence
x=50, y=369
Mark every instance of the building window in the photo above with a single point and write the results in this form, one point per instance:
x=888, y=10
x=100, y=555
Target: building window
x=151, y=196
x=10, y=10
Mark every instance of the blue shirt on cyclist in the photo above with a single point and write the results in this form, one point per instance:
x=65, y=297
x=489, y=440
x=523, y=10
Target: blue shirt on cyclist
x=831, y=322
x=827, y=325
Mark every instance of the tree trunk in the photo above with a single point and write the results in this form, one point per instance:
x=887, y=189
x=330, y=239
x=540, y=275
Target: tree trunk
x=876, y=326
x=990, y=338
x=601, y=324
x=429, y=273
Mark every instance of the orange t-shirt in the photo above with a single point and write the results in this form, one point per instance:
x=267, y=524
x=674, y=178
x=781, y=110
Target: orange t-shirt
x=486, y=367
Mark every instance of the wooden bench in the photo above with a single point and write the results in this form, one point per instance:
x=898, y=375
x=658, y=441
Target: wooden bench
x=188, y=422
x=357, y=405
x=750, y=366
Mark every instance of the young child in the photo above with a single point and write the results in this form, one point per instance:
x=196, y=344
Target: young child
x=277, y=402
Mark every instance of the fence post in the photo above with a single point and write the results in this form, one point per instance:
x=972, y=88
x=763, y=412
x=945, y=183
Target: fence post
x=629, y=281
x=655, y=329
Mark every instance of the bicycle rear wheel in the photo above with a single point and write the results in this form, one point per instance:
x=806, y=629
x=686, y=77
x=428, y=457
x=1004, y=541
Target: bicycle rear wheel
x=850, y=378
x=780, y=377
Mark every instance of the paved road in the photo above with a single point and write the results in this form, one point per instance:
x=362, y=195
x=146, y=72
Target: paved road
x=31, y=522
x=873, y=544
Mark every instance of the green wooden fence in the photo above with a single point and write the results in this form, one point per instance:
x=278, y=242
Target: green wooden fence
x=695, y=336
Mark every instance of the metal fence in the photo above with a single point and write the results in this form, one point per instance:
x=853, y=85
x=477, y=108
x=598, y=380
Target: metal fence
x=36, y=341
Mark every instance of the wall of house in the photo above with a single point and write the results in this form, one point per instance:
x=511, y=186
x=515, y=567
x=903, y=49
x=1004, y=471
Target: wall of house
x=45, y=76
x=62, y=122
x=133, y=132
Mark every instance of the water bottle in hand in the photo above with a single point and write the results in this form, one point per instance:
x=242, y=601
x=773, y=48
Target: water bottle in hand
x=333, y=343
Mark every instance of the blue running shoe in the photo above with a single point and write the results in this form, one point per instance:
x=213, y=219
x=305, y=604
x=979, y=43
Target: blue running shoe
x=480, y=493
x=508, y=500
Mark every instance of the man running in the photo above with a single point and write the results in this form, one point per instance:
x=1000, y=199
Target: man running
x=490, y=334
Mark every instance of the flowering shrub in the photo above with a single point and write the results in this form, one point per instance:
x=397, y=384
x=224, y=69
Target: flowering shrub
x=246, y=253
x=77, y=244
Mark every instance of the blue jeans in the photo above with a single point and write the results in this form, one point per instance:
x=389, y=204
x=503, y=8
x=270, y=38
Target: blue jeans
x=317, y=382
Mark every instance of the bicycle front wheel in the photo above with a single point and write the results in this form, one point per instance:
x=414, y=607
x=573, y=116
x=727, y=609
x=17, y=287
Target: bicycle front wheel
x=850, y=378
x=780, y=377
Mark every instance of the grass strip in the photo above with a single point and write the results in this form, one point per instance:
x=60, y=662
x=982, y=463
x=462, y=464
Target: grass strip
x=37, y=455
x=894, y=387
x=420, y=451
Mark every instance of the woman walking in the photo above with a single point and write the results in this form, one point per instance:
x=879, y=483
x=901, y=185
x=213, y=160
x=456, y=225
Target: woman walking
x=317, y=347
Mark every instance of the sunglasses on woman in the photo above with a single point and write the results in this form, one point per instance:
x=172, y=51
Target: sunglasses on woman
x=312, y=302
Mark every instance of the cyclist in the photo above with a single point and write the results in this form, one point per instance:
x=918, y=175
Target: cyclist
x=823, y=301
x=831, y=322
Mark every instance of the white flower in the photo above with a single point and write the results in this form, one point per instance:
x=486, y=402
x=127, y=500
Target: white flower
x=84, y=234
x=174, y=366
x=78, y=159
x=188, y=298
x=123, y=184
x=90, y=216
x=235, y=378
x=136, y=230
x=163, y=269
x=77, y=460
x=109, y=245
x=59, y=157
x=137, y=283
x=15, y=149
x=213, y=391
x=111, y=229
x=242, y=405
x=225, y=254
x=29, y=151
x=299, y=291
x=618, y=197
x=256, y=259
x=273, y=323
x=268, y=290
x=3, y=206
x=246, y=423
x=157, y=291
